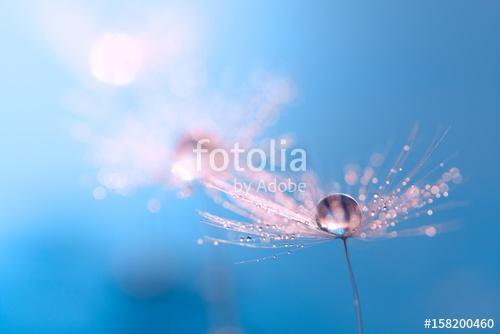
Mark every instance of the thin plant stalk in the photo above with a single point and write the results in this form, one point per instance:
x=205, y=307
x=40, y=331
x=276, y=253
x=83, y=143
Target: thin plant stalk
x=355, y=292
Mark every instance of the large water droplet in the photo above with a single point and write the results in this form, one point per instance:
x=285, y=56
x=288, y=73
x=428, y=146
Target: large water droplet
x=339, y=214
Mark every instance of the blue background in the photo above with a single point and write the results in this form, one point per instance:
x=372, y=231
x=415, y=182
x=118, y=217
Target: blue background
x=366, y=71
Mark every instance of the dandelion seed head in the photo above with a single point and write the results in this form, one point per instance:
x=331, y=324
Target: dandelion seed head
x=381, y=202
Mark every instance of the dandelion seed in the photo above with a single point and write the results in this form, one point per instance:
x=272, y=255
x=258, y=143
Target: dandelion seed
x=313, y=217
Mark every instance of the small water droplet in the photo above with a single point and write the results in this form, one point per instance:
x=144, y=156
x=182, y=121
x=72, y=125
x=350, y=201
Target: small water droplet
x=430, y=231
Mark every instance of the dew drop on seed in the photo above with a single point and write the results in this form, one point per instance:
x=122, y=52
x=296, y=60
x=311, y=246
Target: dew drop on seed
x=338, y=214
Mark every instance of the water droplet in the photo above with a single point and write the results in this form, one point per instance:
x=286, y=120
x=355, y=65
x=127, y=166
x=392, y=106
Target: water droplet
x=430, y=231
x=338, y=214
x=434, y=190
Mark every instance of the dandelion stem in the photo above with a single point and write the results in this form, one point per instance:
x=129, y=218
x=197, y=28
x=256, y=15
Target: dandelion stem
x=355, y=292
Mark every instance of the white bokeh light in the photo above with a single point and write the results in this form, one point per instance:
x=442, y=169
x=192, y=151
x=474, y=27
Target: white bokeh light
x=116, y=59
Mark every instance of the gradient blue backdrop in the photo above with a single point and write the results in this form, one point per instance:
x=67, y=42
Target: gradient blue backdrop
x=366, y=71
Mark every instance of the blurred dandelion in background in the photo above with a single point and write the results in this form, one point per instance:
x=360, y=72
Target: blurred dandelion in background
x=143, y=97
x=376, y=203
